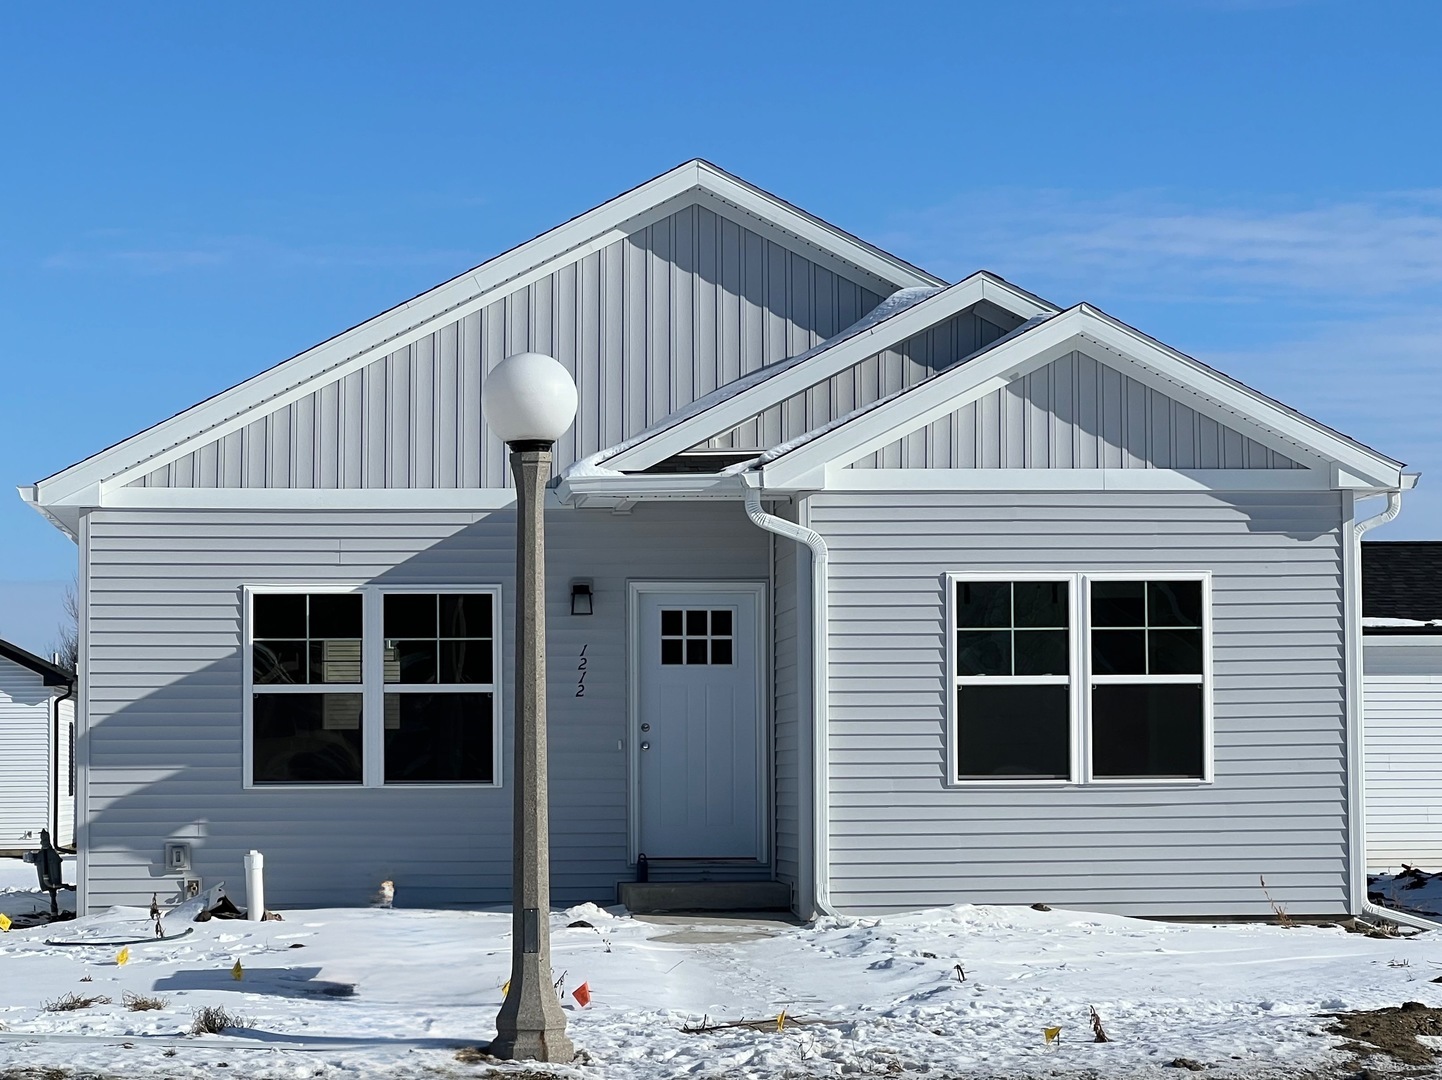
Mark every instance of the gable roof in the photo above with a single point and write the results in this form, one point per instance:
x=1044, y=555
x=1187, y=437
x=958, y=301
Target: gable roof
x=695, y=181
x=902, y=315
x=803, y=463
x=52, y=674
x=1402, y=580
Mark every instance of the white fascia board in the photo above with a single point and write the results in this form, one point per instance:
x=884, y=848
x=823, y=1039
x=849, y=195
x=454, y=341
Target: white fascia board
x=416, y=318
x=67, y=519
x=133, y=498
x=844, y=479
x=1076, y=329
x=725, y=415
x=630, y=488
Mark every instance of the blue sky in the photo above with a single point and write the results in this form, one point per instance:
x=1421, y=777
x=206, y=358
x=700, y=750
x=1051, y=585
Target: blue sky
x=194, y=192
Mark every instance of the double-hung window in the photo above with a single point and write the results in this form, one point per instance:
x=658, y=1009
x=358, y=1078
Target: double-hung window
x=1079, y=678
x=372, y=687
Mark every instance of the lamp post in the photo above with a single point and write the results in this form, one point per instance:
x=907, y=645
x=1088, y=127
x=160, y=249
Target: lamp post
x=529, y=400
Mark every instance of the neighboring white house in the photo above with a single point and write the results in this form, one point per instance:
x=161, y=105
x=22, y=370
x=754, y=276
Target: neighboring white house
x=37, y=741
x=1402, y=636
x=886, y=591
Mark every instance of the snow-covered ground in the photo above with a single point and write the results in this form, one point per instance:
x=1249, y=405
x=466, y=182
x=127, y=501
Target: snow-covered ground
x=392, y=993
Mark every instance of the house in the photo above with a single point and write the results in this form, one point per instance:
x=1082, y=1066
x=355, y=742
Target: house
x=37, y=742
x=887, y=591
x=1402, y=660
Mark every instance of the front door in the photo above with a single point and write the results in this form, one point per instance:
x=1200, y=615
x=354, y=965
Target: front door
x=698, y=737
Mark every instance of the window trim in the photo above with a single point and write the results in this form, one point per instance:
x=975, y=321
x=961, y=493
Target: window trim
x=1081, y=678
x=372, y=685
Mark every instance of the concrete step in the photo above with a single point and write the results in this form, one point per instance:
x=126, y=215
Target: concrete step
x=649, y=897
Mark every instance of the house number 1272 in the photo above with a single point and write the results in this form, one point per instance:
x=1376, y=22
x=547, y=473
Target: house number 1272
x=581, y=678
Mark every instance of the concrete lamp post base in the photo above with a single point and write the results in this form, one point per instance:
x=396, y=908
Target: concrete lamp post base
x=531, y=1024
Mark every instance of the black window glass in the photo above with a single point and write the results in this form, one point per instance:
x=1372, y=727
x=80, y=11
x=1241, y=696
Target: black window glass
x=278, y=615
x=1119, y=652
x=721, y=651
x=1147, y=731
x=1174, y=652
x=335, y=615
x=1041, y=652
x=465, y=661
x=671, y=623
x=467, y=615
x=1174, y=603
x=410, y=616
x=696, y=650
x=276, y=662
x=1118, y=603
x=335, y=661
x=983, y=652
x=307, y=738
x=411, y=661
x=721, y=623
x=438, y=739
x=1013, y=732
x=983, y=604
x=1040, y=603
x=672, y=651
x=696, y=622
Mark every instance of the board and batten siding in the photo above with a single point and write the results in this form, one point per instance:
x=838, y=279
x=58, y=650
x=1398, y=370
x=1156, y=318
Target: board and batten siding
x=1403, y=751
x=1076, y=413
x=912, y=361
x=902, y=839
x=25, y=756
x=646, y=325
x=165, y=698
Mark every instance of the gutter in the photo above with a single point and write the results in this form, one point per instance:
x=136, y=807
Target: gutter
x=55, y=765
x=1357, y=748
x=820, y=746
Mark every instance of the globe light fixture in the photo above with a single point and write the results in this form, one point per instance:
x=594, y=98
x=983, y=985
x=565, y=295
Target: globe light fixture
x=529, y=397
x=529, y=400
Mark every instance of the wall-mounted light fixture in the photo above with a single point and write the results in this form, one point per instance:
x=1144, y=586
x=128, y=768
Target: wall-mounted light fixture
x=580, y=597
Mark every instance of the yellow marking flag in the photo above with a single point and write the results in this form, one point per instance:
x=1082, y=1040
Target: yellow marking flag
x=123, y=956
x=4, y=922
x=506, y=989
x=1052, y=1034
x=781, y=1021
x=237, y=972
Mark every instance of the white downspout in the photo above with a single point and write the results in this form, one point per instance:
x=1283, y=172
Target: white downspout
x=820, y=764
x=1357, y=777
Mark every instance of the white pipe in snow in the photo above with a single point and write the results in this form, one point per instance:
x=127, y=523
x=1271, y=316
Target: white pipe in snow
x=820, y=763
x=255, y=886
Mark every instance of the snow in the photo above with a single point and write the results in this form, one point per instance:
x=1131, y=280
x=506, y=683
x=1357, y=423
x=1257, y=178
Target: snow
x=894, y=304
x=392, y=993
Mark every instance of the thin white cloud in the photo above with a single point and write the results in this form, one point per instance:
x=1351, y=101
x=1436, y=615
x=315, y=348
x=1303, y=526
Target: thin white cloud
x=1146, y=244
x=115, y=251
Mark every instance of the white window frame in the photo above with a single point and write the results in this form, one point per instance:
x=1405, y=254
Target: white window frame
x=372, y=686
x=1208, y=748
x=1080, y=678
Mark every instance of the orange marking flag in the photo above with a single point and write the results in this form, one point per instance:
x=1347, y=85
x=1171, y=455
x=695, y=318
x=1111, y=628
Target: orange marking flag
x=582, y=994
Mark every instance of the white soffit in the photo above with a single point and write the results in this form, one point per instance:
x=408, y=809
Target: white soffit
x=696, y=181
x=1085, y=329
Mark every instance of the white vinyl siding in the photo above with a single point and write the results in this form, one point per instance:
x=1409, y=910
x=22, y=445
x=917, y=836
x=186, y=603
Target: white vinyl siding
x=1403, y=753
x=901, y=838
x=25, y=756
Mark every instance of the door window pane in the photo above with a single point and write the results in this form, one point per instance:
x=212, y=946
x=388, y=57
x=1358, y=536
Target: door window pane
x=1013, y=732
x=697, y=636
x=1147, y=731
